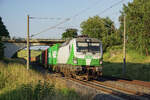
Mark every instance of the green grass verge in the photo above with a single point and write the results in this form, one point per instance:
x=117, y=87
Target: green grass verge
x=18, y=83
x=135, y=71
x=137, y=66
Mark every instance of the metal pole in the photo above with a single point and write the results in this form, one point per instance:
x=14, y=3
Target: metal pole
x=124, y=48
x=28, y=45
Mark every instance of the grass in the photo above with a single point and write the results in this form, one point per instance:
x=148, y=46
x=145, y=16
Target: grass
x=135, y=71
x=115, y=54
x=18, y=83
x=137, y=66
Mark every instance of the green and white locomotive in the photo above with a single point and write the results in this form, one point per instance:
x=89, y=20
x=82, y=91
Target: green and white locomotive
x=78, y=57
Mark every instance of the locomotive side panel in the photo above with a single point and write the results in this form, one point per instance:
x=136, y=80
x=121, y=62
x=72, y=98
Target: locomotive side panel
x=49, y=56
x=52, y=54
x=64, y=53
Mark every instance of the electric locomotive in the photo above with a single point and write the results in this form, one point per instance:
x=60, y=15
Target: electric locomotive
x=78, y=57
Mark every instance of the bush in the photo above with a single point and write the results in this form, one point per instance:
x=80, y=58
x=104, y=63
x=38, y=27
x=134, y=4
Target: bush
x=30, y=92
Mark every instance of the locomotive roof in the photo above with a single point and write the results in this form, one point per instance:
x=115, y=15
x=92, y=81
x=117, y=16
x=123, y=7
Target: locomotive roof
x=81, y=39
x=84, y=39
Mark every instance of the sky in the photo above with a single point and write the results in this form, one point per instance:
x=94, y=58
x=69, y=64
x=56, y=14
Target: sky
x=49, y=13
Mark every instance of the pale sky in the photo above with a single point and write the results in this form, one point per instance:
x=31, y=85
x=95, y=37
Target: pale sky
x=14, y=15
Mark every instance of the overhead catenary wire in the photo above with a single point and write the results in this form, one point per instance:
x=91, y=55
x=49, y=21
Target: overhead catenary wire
x=105, y=10
x=60, y=27
x=113, y=5
x=108, y=25
x=50, y=28
x=84, y=10
x=47, y=18
x=68, y=19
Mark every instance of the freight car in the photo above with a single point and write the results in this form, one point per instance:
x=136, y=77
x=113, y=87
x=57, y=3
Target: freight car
x=79, y=58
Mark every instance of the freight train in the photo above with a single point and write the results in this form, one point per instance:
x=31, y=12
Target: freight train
x=79, y=57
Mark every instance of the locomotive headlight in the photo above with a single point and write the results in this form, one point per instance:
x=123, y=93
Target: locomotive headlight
x=101, y=62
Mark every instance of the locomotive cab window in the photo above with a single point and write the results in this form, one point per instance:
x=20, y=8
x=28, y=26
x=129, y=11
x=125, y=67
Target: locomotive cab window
x=82, y=47
x=88, y=47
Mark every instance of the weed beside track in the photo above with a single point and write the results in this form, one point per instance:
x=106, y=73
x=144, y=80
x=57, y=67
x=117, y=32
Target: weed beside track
x=18, y=83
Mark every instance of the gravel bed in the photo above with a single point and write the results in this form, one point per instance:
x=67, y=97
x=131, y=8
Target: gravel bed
x=91, y=92
x=133, y=87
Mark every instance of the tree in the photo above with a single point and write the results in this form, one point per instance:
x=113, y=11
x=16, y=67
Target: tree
x=3, y=31
x=101, y=28
x=111, y=37
x=3, y=34
x=1, y=49
x=70, y=33
x=93, y=27
x=138, y=25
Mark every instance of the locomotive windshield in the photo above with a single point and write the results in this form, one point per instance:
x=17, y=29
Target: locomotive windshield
x=88, y=47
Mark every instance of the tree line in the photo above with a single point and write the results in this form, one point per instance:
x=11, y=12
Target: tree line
x=137, y=28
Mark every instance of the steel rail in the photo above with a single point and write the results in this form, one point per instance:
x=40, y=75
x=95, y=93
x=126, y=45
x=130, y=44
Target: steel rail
x=123, y=89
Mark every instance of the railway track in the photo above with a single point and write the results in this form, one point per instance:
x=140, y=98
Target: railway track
x=141, y=87
x=125, y=90
x=116, y=91
x=123, y=93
